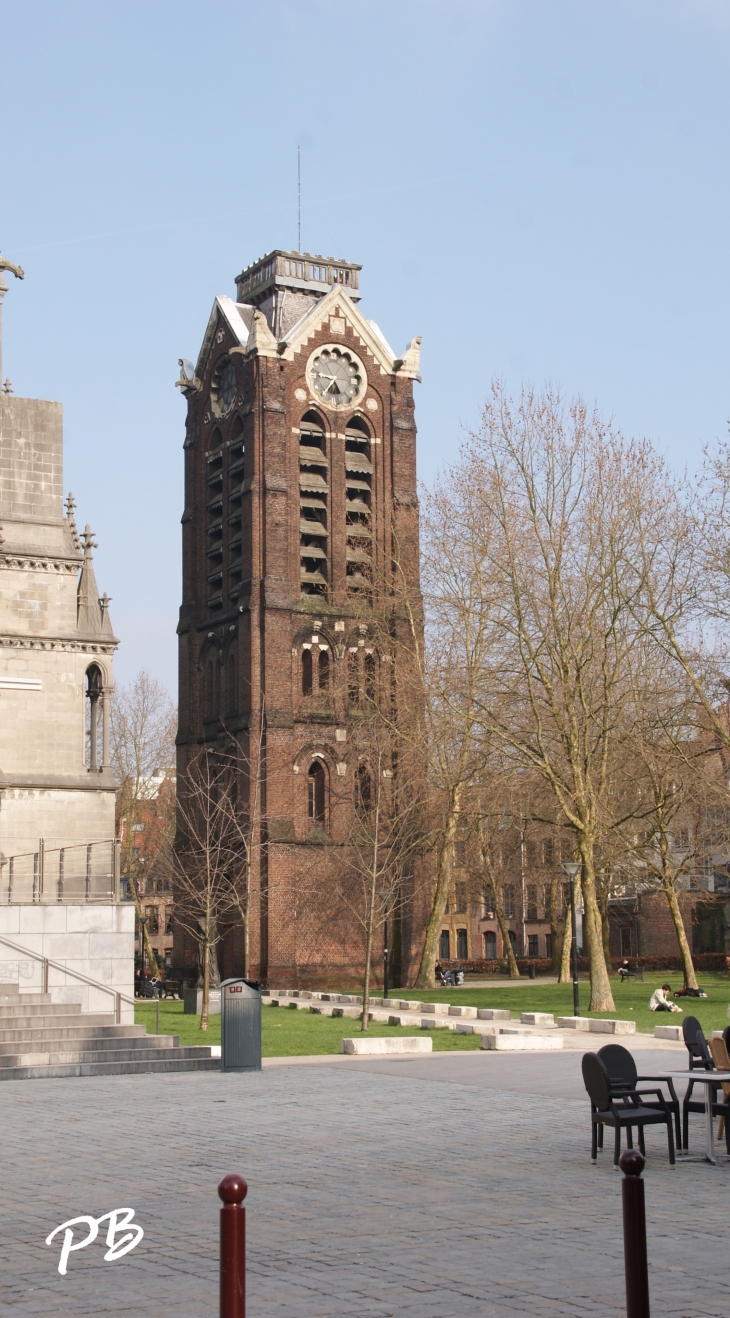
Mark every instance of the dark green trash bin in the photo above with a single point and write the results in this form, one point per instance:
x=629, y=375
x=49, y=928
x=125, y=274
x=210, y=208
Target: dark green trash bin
x=240, y=1025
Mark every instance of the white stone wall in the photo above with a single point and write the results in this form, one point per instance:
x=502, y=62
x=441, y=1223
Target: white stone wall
x=61, y=818
x=97, y=941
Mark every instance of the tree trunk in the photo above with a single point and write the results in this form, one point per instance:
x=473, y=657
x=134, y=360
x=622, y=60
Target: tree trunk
x=604, y=892
x=566, y=973
x=368, y=952
x=601, y=995
x=555, y=934
x=688, y=969
x=425, y=977
x=206, y=976
x=509, y=952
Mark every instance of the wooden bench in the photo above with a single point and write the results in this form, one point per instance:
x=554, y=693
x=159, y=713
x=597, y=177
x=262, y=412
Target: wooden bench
x=171, y=988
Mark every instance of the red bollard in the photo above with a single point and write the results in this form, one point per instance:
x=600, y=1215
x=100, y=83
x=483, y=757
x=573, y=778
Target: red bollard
x=233, y=1190
x=636, y=1265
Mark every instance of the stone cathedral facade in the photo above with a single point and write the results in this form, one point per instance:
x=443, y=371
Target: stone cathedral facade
x=300, y=478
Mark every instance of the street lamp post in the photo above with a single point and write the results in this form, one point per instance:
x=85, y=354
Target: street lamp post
x=572, y=869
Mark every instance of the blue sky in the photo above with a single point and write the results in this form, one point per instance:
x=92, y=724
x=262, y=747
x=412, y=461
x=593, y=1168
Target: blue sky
x=537, y=187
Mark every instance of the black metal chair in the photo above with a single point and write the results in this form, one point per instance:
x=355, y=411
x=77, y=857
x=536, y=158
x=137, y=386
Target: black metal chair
x=624, y=1109
x=700, y=1060
x=624, y=1078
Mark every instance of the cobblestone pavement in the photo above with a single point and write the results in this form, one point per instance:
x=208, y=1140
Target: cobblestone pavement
x=374, y=1190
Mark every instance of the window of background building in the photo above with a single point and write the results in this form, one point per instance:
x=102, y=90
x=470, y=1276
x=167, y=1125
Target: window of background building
x=461, y=898
x=549, y=946
x=532, y=902
x=445, y=946
x=168, y=922
x=532, y=854
x=152, y=916
x=533, y=945
x=508, y=898
x=490, y=945
x=548, y=851
x=316, y=792
x=462, y=944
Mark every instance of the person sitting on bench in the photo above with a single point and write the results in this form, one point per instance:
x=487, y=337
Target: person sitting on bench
x=660, y=1002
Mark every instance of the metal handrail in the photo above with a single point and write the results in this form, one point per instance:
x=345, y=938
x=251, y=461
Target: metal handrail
x=47, y=961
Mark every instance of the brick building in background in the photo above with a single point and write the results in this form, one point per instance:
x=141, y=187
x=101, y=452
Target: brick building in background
x=300, y=481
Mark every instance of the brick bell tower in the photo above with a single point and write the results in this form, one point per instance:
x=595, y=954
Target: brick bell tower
x=300, y=478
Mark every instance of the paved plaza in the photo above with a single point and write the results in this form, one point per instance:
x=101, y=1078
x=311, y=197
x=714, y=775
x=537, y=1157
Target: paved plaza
x=453, y=1185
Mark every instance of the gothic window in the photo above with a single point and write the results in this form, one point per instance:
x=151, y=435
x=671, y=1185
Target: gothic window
x=324, y=670
x=358, y=509
x=353, y=676
x=96, y=729
x=313, y=506
x=316, y=792
x=306, y=672
x=363, y=791
x=231, y=684
x=211, y=703
x=369, y=675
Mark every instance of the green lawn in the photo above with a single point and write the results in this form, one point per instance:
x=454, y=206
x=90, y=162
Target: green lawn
x=631, y=999
x=288, y=1033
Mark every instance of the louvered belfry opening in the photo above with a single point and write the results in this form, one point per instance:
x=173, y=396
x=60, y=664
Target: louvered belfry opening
x=214, y=508
x=313, y=506
x=358, y=508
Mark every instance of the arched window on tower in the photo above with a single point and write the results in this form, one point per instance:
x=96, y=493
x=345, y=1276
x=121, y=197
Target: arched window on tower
x=358, y=508
x=324, y=670
x=363, y=791
x=306, y=672
x=313, y=506
x=316, y=792
x=210, y=704
x=96, y=755
x=231, y=684
x=369, y=675
x=353, y=675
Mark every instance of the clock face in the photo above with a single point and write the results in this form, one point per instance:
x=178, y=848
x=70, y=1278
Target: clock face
x=336, y=377
x=225, y=387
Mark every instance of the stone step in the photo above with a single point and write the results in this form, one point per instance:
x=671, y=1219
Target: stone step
x=60, y=1021
x=90, y=1043
x=156, y=1066
x=72, y=1057
x=11, y=1000
x=72, y=1032
x=22, y=1008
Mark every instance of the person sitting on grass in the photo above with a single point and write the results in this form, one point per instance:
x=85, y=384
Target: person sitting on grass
x=660, y=1002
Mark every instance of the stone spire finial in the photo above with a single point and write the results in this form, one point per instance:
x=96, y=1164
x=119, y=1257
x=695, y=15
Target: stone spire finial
x=71, y=519
x=89, y=615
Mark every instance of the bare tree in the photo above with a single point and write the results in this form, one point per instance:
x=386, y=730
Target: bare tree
x=379, y=879
x=539, y=498
x=210, y=859
x=143, y=727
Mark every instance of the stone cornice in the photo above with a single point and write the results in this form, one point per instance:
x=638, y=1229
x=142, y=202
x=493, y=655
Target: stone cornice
x=57, y=643
x=39, y=563
x=73, y=782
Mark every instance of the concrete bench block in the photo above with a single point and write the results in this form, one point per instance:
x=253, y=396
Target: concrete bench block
x=408, y=1006
x=463, y=1027
x=612, y=1027
x=391, y=1002
x=537, y=1018
x=470, y=1013
x=675, y=1032
x=489, y=1014
x=364, y=1047
x=573, y=1023
x=437, y=1008
x=514, y=1043
x=350, y=1013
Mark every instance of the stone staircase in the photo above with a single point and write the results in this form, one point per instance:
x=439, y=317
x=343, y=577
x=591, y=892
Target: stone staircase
x=40, y=1038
